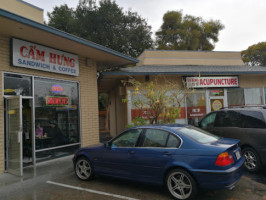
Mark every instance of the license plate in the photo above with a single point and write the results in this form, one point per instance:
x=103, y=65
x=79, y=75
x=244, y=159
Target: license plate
x=238, y=156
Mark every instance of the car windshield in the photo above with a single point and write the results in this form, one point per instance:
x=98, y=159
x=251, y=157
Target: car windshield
x=198, y=135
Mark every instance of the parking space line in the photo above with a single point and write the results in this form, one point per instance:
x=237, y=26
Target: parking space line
x=91, y=191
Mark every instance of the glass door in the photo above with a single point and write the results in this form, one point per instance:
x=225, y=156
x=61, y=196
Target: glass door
x=14, y=135
x=217, y=99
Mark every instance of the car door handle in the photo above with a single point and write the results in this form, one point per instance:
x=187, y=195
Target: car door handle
x=131, y=152
x=167, y=153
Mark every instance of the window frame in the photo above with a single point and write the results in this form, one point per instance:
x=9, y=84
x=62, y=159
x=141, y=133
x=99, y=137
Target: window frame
x=110, y=143
x=165, y=147
x=245, y=115
x=211, y=113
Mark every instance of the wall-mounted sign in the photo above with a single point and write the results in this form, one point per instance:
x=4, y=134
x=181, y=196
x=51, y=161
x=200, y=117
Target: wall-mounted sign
x=57, y=89
x=35, y=56
x=56, y=101
x=206, y=82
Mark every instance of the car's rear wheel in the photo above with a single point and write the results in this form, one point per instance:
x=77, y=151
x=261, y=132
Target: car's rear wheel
x=83, y=169
x=181, y=184
x=252, y=160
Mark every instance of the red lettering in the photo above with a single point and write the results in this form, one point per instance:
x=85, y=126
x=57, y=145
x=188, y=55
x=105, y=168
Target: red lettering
x=31, y=53
x=59, y=61
x=40, y=55
x=53, y=58
x=66, y=61
x=72, y=62
x=21, y=51
x=59, y=101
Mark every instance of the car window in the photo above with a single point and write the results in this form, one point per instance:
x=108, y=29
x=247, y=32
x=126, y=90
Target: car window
x=198, y=135
x=227, y=119
x=252, y=119
x=208, y=121
x=127, y=139
x=155, y=138
x=173, y=141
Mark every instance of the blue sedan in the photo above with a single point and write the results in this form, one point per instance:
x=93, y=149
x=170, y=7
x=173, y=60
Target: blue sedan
x=184, y=158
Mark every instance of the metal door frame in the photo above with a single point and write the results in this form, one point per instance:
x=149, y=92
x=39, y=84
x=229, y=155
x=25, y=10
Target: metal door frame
x=208, y=99
x=20, y=138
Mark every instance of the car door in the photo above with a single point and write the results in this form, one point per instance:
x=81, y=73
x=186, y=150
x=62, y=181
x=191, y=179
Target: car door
x=155, y=151
x=227, y=124
x=114, y=159
x=207, y=123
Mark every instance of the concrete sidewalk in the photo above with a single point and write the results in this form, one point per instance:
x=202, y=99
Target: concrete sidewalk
x=32, y=175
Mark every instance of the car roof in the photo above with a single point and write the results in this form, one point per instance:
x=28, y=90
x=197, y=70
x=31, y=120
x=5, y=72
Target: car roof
x=167, y=126
x=257, y=108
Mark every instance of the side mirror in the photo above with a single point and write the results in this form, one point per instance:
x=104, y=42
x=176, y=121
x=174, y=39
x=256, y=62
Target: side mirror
x=107, y=145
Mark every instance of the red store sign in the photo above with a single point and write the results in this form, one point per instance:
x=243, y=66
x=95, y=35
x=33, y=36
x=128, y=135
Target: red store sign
x=56, y=101
x=206, y=82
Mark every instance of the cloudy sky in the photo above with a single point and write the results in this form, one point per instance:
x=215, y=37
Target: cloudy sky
x=244, y=20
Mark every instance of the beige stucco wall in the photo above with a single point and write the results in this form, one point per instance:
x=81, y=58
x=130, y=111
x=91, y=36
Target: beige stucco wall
x=23, y=9
x=162, y=58
x=88, y=95
x=252, y=81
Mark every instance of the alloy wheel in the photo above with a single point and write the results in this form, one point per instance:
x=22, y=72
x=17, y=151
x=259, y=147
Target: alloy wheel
x=250, y=160
x=83, y=169
x=179, y=185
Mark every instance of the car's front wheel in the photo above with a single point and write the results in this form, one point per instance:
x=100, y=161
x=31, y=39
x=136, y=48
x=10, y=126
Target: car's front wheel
x=83, y=169
x=252, y=160
x=181, y=184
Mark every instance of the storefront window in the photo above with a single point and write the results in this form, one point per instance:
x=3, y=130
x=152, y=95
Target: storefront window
x=196, y=106
x=253, y=96
x=235, y=96
x=56, y=114
x=15, y=84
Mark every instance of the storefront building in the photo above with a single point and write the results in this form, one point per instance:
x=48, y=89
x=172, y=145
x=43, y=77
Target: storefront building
x=49, y=101
x=218, y=79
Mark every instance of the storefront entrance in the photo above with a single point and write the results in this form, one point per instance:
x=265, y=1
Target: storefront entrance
x=41, y=120
x=18, y=134
x=216, y=99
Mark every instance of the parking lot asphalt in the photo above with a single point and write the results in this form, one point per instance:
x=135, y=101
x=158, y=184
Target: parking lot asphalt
x=56, y=180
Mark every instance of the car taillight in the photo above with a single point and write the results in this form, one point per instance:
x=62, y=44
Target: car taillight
x=224, y=159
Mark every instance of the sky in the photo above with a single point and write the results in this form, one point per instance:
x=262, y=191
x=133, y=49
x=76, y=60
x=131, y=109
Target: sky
x=244, y=20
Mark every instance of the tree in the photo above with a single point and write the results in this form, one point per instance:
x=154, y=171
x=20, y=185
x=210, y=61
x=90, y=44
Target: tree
x=62, y=18
x=106, y=24
x=255, y=55
x=187, y=32
x=161, y=99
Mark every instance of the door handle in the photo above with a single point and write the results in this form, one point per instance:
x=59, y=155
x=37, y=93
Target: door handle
x=131, y=152
x=167, y=153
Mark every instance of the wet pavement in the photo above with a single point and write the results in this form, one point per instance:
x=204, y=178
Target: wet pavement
x=56, y=181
